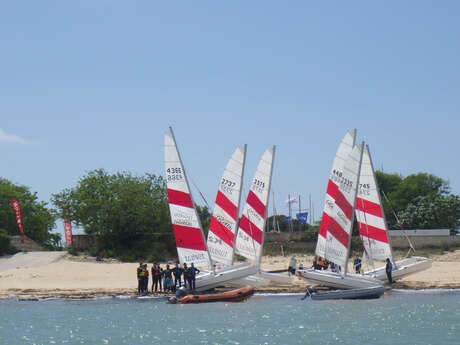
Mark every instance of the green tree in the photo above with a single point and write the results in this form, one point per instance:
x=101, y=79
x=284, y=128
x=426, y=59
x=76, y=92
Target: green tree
x=432, y=212
x=37, y=219
x=128, y=214
x=403, y=192
x=205, y=218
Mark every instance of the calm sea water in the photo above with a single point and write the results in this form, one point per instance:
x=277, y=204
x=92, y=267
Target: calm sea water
x=397, y=318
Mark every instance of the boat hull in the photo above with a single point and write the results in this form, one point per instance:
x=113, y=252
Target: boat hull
x=237, y=295
x=207, y=280
x=263, y=279
x=336, y=280
x=402, y=268
x=366, y=293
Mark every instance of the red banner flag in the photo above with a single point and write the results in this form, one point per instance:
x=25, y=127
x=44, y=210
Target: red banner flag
x=68, y=230
x=17, y=210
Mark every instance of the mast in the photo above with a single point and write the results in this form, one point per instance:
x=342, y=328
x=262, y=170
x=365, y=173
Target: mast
x=353, y=211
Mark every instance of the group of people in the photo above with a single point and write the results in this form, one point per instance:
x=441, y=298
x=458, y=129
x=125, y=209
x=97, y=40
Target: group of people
x=320, y=264
x=162, y=279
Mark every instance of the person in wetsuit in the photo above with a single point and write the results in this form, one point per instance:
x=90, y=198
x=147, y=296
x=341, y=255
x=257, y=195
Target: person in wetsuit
x=388, y=269
x=192, y=272
x=177, y=271
x=185, y=273
x=167, y=274
x=139, y=278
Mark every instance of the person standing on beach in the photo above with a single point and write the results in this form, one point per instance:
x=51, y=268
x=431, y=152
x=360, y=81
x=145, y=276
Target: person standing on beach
x=388, y=269
x=167, y=286
x=357, y=264
x=185, y=272
x=155, y=273
x=192, y=272
x=177, y=275
x=146, y=279
x=160, y=278
x=139, y=278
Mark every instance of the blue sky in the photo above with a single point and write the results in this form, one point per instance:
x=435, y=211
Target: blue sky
x=94, y=84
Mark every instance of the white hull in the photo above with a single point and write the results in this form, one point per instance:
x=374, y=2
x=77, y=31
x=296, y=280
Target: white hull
x=337, y=280
x=207, y=280
x=262, y=279
x=366, y=293
x=402, y=268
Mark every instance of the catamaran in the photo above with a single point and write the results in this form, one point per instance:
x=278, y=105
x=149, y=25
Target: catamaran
x=188, y=232
x=334, y=236
x=373, y=228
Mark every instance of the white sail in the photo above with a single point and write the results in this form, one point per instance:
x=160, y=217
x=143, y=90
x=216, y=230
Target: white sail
x=369, y=213
x=221, y=235
x=249, y=239
x=345, y=148
x=341, y=219
x=191, y=246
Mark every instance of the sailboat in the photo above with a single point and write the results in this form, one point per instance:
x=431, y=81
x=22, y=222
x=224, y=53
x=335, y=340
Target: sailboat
x=188, y=232
x=334, y=237
x=223, y=226
x=373, y=228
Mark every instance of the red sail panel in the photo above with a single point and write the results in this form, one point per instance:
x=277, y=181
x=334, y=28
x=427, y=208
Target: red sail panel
x=369, y=207
x=249, y=228
x=337, y=231
x=226, y=204
x=373, y=232
x=188, y=237
x=221, y=231
x=179, y=198
x=256, y=204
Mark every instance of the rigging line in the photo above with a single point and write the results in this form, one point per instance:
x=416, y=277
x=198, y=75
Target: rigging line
x=411, y=247
x=201, y=194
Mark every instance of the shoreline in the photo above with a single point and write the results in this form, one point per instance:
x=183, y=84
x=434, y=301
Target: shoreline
x=41, y=275
x=78, y=294
x=41, y=295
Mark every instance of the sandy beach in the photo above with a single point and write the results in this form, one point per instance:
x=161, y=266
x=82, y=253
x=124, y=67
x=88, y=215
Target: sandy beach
x=58, y=274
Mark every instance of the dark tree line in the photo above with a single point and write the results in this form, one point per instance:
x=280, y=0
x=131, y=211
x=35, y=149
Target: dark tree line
x=129, y=214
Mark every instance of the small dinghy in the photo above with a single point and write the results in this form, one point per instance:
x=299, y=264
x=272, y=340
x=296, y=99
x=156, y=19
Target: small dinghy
x=237, y=295
x=365, y=293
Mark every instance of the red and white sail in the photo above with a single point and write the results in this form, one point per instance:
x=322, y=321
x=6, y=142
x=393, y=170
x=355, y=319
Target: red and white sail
x=190, y=242
x=341, y=218
x=249, y=239
x=369, y=213
x=345, y=148
x=221, y=235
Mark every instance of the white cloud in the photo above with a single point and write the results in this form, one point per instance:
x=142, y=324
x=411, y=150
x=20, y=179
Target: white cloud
x=6, y=138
